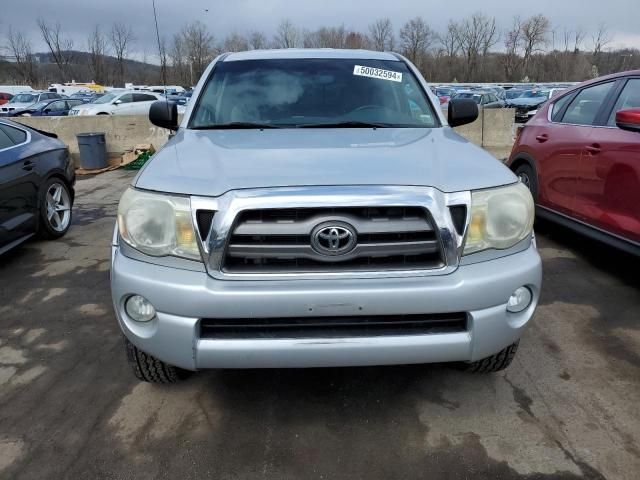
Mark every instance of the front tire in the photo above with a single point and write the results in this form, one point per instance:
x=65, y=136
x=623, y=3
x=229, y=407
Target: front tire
x=528, y=177
x=494, y=363
x=148, y=368
x=55, y=208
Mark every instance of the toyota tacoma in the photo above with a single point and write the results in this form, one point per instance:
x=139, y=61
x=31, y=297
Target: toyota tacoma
x=315, y=208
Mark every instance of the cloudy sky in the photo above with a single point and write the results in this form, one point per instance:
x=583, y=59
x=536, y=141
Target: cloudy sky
x=78, y=17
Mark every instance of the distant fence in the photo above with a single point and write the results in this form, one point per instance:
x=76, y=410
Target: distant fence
x=493, y=130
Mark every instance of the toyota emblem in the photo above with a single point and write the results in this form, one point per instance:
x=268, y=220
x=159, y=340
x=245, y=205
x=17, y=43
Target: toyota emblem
x=333, y=238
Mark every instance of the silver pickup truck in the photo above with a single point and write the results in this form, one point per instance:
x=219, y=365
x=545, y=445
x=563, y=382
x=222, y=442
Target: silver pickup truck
x=315, y=208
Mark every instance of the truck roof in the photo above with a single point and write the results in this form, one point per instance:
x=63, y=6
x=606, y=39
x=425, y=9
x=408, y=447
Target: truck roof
x=309, y=53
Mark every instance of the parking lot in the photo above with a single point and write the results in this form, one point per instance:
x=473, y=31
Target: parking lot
x=71, y=408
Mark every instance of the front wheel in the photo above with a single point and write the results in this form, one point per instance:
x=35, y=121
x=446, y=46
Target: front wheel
x=148, y=368
x=528, y=177
x=55, y=209
x=494, y=363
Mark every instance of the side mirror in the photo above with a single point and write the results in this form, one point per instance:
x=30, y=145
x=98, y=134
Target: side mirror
x=628, y=119
x=462, y=111
x=164, y=114
x=46, y=110
x=117, y=102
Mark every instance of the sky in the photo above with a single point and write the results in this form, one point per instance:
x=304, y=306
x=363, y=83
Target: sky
x=78, y=17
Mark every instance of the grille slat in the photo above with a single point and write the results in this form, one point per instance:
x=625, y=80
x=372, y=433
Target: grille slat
x=279, y=240
x=323, y=327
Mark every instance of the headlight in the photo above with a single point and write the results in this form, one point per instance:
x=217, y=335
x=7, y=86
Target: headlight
x=500, y=218
x=157, y=224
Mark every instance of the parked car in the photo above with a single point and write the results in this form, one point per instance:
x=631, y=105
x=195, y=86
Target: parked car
x=47, y=108
x=529, y=102
x=118, y=103
x=321, y=220
x=484, y=99
x=26, y=99
x=86, y=97
x=513, y=93
x=36, y=185
x=580, y=157
x=5, y=97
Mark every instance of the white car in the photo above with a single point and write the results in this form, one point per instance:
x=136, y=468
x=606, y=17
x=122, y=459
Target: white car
x=118, y=103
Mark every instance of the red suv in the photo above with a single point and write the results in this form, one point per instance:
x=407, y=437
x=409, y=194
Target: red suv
x=5, y=97
x=580, y=157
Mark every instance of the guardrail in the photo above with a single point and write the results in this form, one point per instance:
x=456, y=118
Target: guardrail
x=493, y=130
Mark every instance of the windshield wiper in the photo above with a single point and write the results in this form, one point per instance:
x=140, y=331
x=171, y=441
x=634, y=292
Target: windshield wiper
x=235, y=125
x=345, y=124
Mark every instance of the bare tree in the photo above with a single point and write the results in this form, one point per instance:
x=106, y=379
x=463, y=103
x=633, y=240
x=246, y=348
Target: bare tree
x=512, y=42
x=356, y=40
x=449, y=41
x=257, y=40
x=97, y=46
x=476, y=35
x=235, y=43
x=534, y=32
x=381, y=35
x=415, y=39
x=325, y=37
x=600, y=40
x=20, y=48
x=198, y=48
x=59, y=46
x=121, y=39
x=178, y=60
x=162, y=54
x=287, y=35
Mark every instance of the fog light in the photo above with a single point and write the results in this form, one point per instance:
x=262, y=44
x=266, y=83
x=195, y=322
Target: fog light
x=519, y=300
x=139, y=308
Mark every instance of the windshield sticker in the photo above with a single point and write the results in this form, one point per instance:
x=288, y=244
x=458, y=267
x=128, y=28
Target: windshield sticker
x=377, y=73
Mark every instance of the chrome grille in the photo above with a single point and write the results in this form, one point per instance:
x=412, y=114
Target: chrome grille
x=280, y=240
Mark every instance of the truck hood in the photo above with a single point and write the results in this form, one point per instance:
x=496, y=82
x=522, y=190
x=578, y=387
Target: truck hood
x=212, y=162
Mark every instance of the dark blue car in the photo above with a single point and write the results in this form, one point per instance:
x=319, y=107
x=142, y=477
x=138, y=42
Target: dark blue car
x=48, y=108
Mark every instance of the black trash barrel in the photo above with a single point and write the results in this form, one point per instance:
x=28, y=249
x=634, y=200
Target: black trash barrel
x=93, y=150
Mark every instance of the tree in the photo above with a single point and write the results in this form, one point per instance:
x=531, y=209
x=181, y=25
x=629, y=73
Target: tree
x=600, y=40
x=235, y=43
x=534, y=37
x=257, y=40
x=59, y=46
x=287, y=35
x=512, y=43
x=20, y=48
x=197, y=43
x=381, y=35
x=121, y=39
x=415, y=39
x=476, y=35
x=97, y=46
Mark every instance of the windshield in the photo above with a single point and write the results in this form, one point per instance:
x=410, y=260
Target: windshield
x=474, y=96
x=511, y=94
x=443, y=92
x=536, y=94
x=312, y=93
x=106, y=98
x=24, y=98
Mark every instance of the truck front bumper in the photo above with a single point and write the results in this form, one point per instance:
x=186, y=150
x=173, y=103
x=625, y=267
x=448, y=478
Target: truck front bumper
x=183, y=297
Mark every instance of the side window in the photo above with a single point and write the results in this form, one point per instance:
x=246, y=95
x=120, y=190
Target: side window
x=5, y=141
x=557, y=108
x=15, y=134
x=143, y=97
x=126, y=98
x=73, y=103
x=585, y=106
x=629, y=98
x=55, y=106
